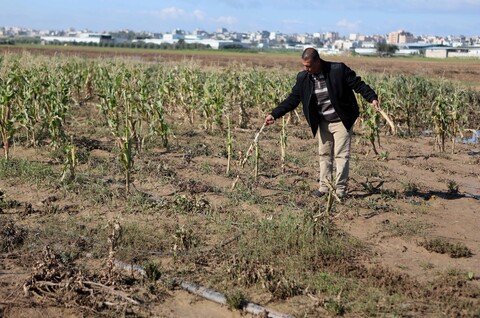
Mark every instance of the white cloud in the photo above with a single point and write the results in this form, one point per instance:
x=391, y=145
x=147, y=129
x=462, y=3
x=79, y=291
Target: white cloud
x=174, y=13
x=200, y=15
x=348, y=25
x=170, y=13
x=292, y=25
x=242, y=4
x=227, y=20
x=430, y=5
x=293, y=22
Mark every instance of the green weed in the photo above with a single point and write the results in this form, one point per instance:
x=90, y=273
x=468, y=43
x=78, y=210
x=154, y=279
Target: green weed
x=407, y=228
x=442, y=246
x=236, y=300
x=276, y=251
x=152, y=271
x=28, y=171
x=184, y=238
x=206, y=168
x=11, y=236
x=383, y=155
x=410, y=188
x=452, y=187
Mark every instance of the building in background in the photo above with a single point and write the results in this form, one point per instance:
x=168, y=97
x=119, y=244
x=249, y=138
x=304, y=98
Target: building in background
x=79, y=38
x=400, y=36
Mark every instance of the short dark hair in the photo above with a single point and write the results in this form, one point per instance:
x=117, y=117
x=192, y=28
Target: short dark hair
x=310, y=53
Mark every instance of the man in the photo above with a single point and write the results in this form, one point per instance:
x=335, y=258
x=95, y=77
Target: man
x=326, y=90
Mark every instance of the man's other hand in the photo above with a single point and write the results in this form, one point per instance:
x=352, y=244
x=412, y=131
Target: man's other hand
x=376, y=104
x=269, y=120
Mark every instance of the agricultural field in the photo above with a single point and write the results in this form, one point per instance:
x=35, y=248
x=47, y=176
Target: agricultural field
x=127, y=177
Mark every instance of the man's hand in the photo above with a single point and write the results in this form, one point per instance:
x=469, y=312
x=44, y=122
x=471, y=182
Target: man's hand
x=376, y=104
x=269, y=120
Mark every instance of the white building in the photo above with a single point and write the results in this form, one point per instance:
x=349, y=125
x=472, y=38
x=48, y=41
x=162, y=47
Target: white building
x=345, y=44
x=79, y=38
x=355, y=37
x=365, y=51
x=214, y=44
x=446, y=52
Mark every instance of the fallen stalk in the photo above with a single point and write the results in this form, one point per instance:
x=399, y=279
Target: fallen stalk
x=112, y=291
x=389, y=121
x=253, y=145
x=90, y=283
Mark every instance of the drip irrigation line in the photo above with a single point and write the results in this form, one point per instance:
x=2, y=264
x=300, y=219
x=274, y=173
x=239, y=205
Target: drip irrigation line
x=207, y=293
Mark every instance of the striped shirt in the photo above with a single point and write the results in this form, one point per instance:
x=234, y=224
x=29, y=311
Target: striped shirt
x=325, y=107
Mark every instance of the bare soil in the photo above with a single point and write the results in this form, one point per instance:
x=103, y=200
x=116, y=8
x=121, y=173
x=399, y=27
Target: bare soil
x=392, y=227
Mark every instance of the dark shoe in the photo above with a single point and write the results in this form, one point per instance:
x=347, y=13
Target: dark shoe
x=342, y=196
x=318, y=193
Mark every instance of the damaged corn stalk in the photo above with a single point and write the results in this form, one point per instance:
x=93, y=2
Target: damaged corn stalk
x=253, y=146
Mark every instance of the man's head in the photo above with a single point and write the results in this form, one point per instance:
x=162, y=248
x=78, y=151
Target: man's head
x=311, y=61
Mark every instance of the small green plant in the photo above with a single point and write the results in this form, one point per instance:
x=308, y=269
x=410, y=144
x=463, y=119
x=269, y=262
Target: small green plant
x=427, y=265
x=206, y=168
x=407, y=228
x=32, y=172
x=334, y=307
x=470, y=275
x=67, y=256
x=442, y=246
x=71, y=160
x=410, y=188
x=189, y=204
x=152, y=271
x=11, y=236
x=367, y=168
x=383, y=155
x=236, y=300
x=452, y=187
x=370, y=187
x=170, y=283
x=185, y=239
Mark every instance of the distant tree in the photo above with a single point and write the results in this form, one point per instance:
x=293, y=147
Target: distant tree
x=291, y=42
x=129, y=35
x=233, y=47
x=384, y=49
x=180, y=44
x=317, y=42
x=7, y=41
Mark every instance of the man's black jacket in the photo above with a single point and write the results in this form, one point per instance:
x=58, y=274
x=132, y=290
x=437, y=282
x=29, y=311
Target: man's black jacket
x=341, y=83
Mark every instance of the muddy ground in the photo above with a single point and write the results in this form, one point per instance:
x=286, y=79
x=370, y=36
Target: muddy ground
x=397, y=201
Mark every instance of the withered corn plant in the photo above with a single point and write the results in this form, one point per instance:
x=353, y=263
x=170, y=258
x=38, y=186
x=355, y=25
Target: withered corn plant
x=115, y=93
x=229, y=143
x=140, y=100
x=7, y=118
x=283, y=144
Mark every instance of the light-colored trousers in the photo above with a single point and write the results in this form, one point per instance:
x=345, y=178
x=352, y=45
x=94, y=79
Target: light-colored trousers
x=334, y=144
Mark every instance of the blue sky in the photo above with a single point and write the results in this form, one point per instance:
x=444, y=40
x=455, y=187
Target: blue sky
x=432, y=17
